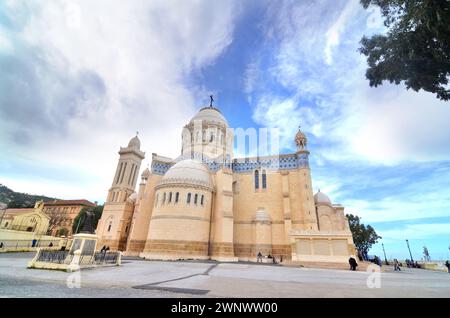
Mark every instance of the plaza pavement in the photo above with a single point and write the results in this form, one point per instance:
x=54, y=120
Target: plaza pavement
x=141, y=278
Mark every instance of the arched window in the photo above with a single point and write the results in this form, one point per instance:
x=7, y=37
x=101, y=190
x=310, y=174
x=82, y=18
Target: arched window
x=256, y=179
x=202, y=199
x=109, y=227
x=164, y=198
x=188, y=198
x=195, y=198
x=170, y=197
x=211, y=137
x=198, y=137
x=177, y=197
x=126, y=228
x=264, y=179
x=204, y=136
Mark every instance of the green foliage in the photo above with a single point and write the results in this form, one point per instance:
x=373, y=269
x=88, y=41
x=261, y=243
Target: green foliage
x=98, y=210
x=363, y=236
x=62, y=231
x=416, y=48
x=19, y=200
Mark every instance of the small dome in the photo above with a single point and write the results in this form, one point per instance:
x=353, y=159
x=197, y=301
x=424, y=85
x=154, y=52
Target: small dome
x=300, y=135
x=132, y=198
x=210, y=114
x=300, y=140
x=321, y=197
x=188, y=172
x=145, y=174
x=134, y=143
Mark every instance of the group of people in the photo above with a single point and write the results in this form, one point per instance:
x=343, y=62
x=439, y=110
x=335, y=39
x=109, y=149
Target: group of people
x=411, y=264
x=104, y=249
x=397, y=264
x=259, y=258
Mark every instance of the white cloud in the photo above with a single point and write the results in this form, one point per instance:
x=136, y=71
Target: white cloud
x=5, y=44
x=333, y=34
x=390, y=124
x=416, y=231
x=334, y=102
x=271, y=112
x=137, y=55
x=250, y=77
x=398, y=208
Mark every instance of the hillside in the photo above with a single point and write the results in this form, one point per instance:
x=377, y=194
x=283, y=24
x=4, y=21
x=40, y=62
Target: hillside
x=19, y=200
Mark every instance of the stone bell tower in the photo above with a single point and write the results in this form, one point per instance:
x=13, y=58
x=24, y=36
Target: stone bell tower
x=125, y=178
x=114, y=226
x=304, y=218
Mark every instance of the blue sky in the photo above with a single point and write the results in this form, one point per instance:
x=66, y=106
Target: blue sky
x=79, y=80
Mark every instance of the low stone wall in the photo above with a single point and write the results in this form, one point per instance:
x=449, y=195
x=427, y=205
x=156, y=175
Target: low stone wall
x=20, y=241
x=434, y=266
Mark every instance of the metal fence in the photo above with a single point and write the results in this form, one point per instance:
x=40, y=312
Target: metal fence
x=56, y=257
x=106, y=258
x=65, y=257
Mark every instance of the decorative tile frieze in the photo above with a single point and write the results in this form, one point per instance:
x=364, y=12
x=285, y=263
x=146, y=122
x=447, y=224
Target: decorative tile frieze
x=283, y=162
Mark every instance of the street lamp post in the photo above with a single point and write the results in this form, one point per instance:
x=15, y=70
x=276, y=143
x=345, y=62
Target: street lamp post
x=407, y=243
x=385, y=258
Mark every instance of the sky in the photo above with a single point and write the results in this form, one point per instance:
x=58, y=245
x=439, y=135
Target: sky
x=78, y=80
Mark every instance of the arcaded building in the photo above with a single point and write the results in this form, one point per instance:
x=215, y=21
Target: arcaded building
x=206, y=204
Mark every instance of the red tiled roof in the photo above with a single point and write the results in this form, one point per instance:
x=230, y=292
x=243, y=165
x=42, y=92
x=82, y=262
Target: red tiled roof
x=69, y=202
x=11, y=212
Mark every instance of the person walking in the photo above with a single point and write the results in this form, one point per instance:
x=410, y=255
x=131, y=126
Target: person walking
x=352, y=263
x=259, y=257
x=396, y=265
x=447, y=263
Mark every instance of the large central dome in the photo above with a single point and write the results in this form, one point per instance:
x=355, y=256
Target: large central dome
x=210, y=114
x=188, y=171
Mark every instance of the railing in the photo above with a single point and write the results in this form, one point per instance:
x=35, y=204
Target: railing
x=65, y=257
x=56, y=257
x=106, y=258
x=22, y=244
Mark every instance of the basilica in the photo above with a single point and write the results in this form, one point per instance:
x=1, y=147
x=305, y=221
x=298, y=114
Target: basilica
x=206, y=204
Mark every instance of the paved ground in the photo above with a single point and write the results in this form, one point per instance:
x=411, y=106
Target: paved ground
x=138, y=278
